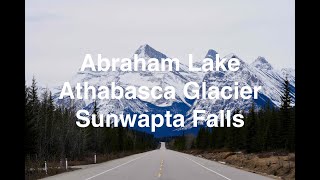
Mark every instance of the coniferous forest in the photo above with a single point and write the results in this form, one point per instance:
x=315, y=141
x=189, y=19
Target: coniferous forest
x=265, y=129
x=51, y=133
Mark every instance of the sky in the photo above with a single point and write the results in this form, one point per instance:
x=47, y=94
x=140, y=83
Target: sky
x=59, y=33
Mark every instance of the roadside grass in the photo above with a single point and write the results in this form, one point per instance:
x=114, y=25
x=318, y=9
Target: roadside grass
x=277, y=164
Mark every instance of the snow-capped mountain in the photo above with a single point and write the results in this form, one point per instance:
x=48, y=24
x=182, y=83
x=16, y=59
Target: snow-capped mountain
x=259, y=73
x=176, y=79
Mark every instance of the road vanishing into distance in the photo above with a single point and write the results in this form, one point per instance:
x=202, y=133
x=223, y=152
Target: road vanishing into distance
x=160, y=164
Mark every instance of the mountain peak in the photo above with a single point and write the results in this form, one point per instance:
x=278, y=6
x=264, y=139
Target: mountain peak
x=288, y=71
x=231, y=55
x=147, y=51
x=144, y=46
x=211, y=54
x=262, y=63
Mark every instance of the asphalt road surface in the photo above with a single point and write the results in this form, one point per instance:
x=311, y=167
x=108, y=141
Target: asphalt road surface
x=161, y=164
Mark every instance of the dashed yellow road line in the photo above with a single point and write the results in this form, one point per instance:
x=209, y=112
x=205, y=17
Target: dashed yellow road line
x=160, y=169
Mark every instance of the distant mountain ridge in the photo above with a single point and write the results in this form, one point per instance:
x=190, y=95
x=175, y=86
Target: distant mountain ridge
x=258, y=73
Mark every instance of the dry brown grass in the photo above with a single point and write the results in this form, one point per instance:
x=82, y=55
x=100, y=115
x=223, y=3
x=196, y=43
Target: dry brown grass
x=279, y=164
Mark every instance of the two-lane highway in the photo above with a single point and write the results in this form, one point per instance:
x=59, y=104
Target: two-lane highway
x=160, y=164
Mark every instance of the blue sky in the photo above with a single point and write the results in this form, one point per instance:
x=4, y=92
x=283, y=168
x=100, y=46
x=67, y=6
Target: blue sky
x=59, y=33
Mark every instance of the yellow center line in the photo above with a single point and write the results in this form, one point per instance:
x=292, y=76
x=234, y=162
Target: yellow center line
x=160, y=170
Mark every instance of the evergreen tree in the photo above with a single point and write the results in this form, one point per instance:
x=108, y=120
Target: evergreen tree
x=120, y=138
x=262, y=123
x=251, y=130
x=183, y=141
x=91, y=132
x=179, y=142
x=51, y=123
x=202, y=139
x=265, y=118
x=193, y=145
x=34, y=113
x=287, y=122
x=33, y=92
x=30, y=131
x=43, y=118
x=234, y=135
x=220, y=137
